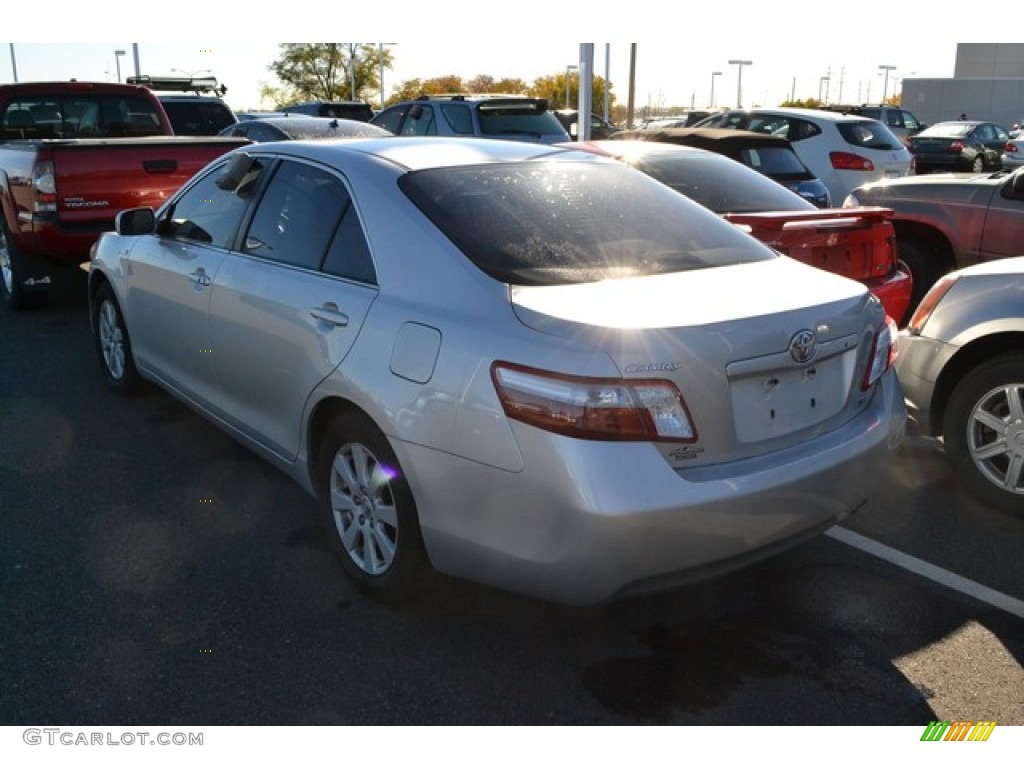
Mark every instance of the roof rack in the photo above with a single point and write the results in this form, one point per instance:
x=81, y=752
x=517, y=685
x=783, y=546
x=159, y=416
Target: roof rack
x=196, y=85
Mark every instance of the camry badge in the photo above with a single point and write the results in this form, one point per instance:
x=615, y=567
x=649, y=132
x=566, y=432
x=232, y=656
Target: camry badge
x=803, y=346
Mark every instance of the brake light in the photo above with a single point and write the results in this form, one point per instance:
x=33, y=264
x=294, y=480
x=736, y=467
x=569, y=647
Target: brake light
x=44, y=186
x=594, y=408
x=883, y=353
x=956, y=147
x=929, y=303
x=1010, y=147
x=847, y=161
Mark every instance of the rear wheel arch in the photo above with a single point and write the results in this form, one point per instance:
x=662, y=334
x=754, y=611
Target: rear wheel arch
x=927, y=253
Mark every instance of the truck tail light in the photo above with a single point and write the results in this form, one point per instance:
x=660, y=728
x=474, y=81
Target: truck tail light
x=883, y=353
x=848, y=161
x=594, y=408
x=44, y=187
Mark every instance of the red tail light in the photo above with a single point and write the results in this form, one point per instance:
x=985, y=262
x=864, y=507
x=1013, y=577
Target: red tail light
x=956, y=147
x=1010, y=147
x=847, y=161
x=883, y=353
x=592, y=408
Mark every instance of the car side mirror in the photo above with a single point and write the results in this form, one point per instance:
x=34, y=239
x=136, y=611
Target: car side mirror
x=135, y=221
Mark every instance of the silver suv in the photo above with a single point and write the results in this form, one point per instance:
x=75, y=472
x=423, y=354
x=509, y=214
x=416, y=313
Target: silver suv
x=518, y=118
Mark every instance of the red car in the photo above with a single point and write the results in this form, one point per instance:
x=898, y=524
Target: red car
x=858, y=243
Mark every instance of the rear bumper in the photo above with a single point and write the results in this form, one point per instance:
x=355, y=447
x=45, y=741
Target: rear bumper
x=894, y=291
x=585, y=522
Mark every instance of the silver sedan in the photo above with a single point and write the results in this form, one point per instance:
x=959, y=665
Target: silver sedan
x=962, y=368
x=522, y=365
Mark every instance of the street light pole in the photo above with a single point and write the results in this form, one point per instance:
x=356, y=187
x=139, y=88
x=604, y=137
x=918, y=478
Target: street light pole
x=117, y=60
x=713, y=76
x=568, y=68
x=823, y=81
x=887, y=68
x=739, y=79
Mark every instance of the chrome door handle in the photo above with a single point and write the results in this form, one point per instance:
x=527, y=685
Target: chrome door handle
x=199, y=277
x=329, y=314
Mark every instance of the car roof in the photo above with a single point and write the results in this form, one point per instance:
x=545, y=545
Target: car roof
x=415, y=153
x=707, y=137
x=310, y=125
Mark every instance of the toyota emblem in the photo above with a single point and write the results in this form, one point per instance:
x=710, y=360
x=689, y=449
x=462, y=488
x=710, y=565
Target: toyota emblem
x=803, y=346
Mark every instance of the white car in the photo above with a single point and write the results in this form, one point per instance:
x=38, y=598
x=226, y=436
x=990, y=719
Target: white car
x=844, y=151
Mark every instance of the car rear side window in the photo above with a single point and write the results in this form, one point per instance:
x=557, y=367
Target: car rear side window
x=869, y=134
x=297, y=216
x=557, y=223
x=774, y=161
x=459, y=118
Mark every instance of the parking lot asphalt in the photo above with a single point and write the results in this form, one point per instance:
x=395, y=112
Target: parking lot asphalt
x=153, y=571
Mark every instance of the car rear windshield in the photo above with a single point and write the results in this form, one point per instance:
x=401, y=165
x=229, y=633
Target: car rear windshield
x=721, y=184
x=198, y=118
x=869, y=134
x=79, y=116
x=526, y=119
x=555, y=223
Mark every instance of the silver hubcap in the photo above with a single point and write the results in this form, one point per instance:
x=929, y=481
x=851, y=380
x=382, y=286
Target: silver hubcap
x=364, y=508
x=995, y=437
x=111, y=340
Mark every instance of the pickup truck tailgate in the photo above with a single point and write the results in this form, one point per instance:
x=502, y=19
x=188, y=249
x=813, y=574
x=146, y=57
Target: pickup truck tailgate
x=97, y=178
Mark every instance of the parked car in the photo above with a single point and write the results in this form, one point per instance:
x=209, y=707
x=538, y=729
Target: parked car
x=72, y=155
x=347, y=110
x=301, y=127
x=771, y=155
x=961, y=361
x=959, y=145
x=529, y=366
x=844, y=151
x=684, y=120
x=855, y=243
x=599, y=127
x=493, y=117
x=193, y=104
x=947, y=221
x=902, y=122
x=1013, y=154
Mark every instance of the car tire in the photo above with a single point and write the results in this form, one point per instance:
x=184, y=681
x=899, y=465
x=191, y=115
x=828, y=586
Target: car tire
x=983, y=431
x=919, y=259
x=369, y=512
x=11, y=266
x=113, y=345
x=978, y=165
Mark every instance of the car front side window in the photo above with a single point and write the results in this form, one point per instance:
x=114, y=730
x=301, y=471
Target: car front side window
x=207, y=212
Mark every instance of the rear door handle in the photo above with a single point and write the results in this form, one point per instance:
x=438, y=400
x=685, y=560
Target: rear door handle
x=329, y=314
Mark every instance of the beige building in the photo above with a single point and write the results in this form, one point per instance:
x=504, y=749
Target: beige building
x=987, y=84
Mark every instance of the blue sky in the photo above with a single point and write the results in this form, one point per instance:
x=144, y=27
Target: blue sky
x=792, y=48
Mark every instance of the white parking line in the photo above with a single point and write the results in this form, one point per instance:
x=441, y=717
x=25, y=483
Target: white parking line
x=941, y=576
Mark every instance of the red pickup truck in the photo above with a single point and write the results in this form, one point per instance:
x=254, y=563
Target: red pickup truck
x=72, y=156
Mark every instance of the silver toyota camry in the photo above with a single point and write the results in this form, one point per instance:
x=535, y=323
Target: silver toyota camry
x=527, y=366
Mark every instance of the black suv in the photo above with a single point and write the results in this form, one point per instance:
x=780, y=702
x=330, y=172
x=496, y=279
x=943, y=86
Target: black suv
x=199, y=112
x=518, y=118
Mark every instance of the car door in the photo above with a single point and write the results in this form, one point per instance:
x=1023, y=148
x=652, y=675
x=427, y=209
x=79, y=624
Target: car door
x=1003, y=233
x=169, y=284
x=289, y=304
